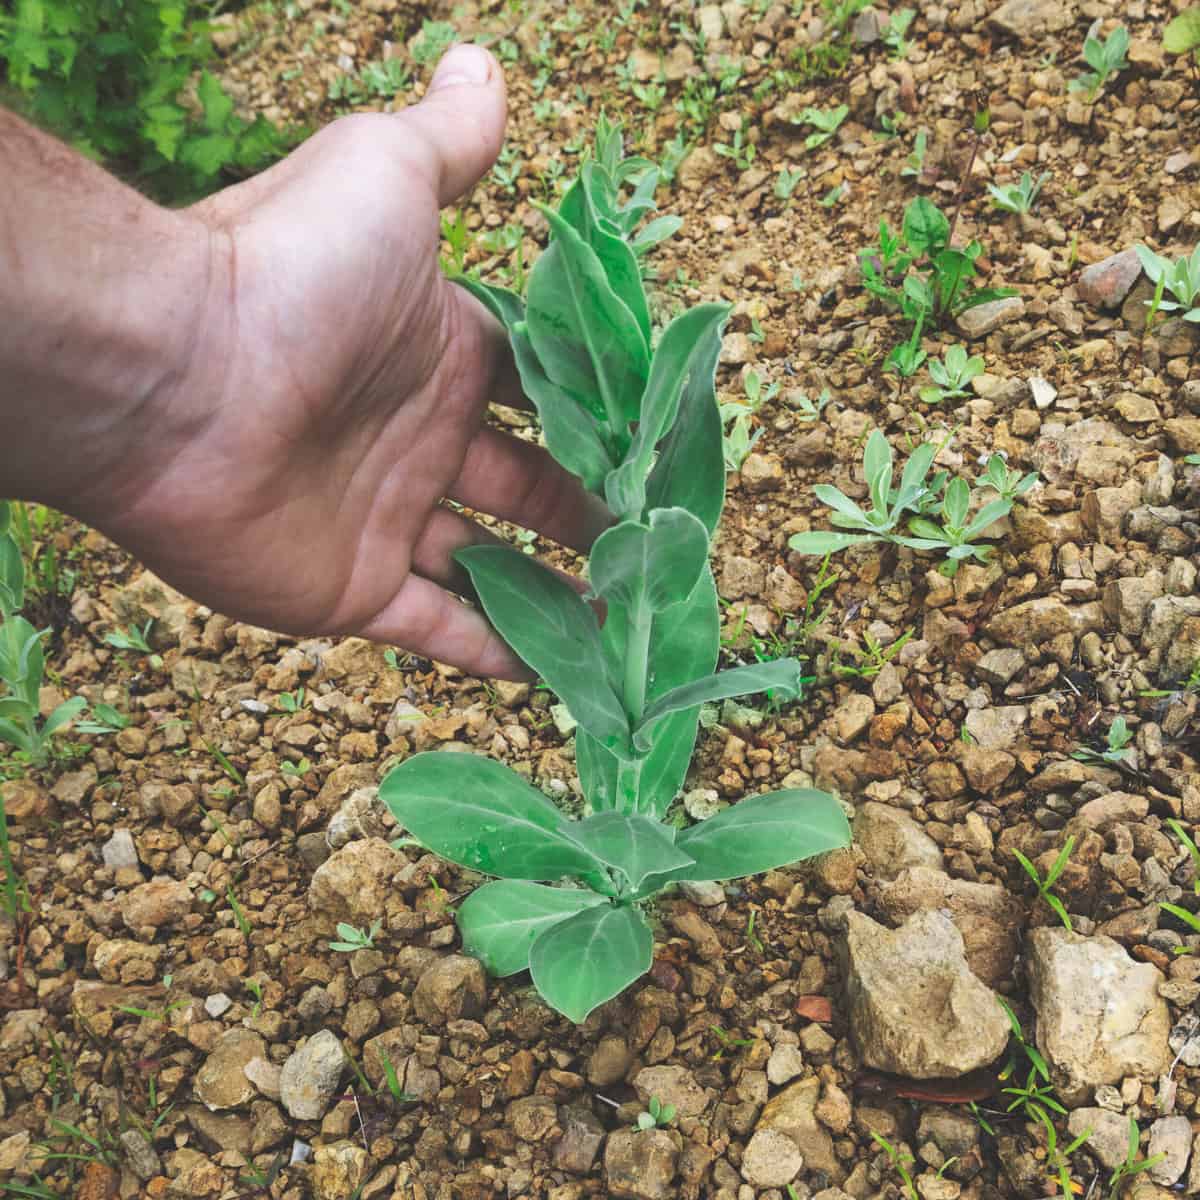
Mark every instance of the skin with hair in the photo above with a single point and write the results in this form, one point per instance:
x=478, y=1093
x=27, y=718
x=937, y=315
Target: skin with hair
x=269, y=397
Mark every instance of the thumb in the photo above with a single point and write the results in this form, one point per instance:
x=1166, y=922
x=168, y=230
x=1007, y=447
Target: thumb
x=461, y=118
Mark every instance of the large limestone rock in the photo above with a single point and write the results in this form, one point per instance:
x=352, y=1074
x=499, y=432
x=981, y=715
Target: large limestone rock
x=1099, y=1015
x=986, y=915
x=915, y=1007
x=891, y=840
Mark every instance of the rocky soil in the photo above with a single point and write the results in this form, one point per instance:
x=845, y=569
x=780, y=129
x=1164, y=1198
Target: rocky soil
x=174, y=1018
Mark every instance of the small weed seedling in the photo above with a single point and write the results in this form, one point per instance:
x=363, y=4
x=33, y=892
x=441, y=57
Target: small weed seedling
x=103, y=719
x=352, y=938
x=1176, y=827
x=740, y=150
x=914, y=164
x=1008, y=484
x=951, y=374
x=1106, y=58
x=922, y=501
x=806, y=409
x=824, y=121
x=727, y=1041
x=290, y=702
x=785, y=182
x=131, y=638
x=901, y=1160
x=295, y=770
x=1018, y=197
x=1181, y=278
x=1116, y=751
x=1045, y=886
x=907, y=358
x=637, y=422
x=894, y=37
x=656, y=1115
x=1132, y=1166
x=1182, y=35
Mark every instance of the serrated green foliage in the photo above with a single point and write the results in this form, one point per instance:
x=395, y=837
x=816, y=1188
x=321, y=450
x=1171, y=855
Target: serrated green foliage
x=1182, y=33
x=109, y=76
x=640, y=427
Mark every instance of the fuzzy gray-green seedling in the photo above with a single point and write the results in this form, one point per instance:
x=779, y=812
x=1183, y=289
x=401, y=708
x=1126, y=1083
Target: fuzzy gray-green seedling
x=635, y=418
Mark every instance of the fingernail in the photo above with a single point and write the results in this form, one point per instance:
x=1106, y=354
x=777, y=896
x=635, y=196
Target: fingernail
x=462, y=64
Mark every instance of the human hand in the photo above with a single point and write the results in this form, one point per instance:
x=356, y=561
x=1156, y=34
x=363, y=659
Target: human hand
x=294, y=472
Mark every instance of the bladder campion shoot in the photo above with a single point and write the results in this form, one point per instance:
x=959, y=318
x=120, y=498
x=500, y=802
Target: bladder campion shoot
x=638, y=423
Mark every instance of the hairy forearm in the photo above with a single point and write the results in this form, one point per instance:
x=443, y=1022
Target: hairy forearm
x=100, y=295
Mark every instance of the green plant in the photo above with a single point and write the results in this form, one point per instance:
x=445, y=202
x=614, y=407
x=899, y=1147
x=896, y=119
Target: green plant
x=894, y=36
x=1018, y=197
x=432, y=42
x=641, y=429
x=1008, y=484
x=374, y=80
x=656, y=1115
x=296, y=770
x=1045, y=886
x=951, y=374
x=290, y=702
x=1106, y=58
x=1133, y=1165
x=1116, y=748
x=111, y=77
x=131, y=638
x=22, y=668
x=104, y=719
x=726, y=1041
x=1176, y=827
x=901, y=1159
x=1181, y=278
x=907, y=357
x=916, y=499
x=806, y=409
x=239, y=914
x=914, y=164
x=834, y=194
x=352, y=938
x=919, y=272
x=1182, y=35
x=394, y=1087
x=740, y=149
x=785, y=182
x=824, y=121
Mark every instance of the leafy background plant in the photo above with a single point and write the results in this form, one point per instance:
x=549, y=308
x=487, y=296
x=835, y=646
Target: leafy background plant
x=124, y=82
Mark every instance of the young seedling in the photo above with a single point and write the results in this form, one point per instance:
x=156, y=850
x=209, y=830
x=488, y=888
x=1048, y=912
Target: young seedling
x=1116, y=751
x=103, y=719
x=290, y=702
x=131, y=638
x=914, y=164
x=1176, y=827
x=951, y=374
x=352, y=938
x=901, y=1160
x=806, y=409
x=739, y=149
x=727, y=1041
x=1106, y=58
x=824, y=121
x=907, y=358
x=1045, y=886
x=1181, y=278
x=1182, y=36
x=1008, y=484
x=656, y=1115
x=894, y=37
x=1018, y=197
x=638, y=424
x=785, y=182
x=1133, y=1164
x=957, y=532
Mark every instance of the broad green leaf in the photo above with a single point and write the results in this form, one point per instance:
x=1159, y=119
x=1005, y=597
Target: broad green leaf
x=957, y=502
x=683, y=646
x=479, y=814
x=1182, y=33
x=552, y=629
x=15, y=736
x=5, y=517
x=660, y=561
x=208, y=153
x=764, y=832
x=989, y=514
x=690, y=469
x=578, y=206
x=843, y=506
x=500, y=921
x=656, y=231
x=818, y=542
x=877, y=466
x=12, y=576
x=926, y=230
x=66, y=712
x=579, y=963
x=217, y=106
x=635, y=845
x=784, y=675
x=572, y=435
x=688, y=345
x=584, y=335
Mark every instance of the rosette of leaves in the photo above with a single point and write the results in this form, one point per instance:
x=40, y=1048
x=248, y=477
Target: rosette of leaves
x=637, y=422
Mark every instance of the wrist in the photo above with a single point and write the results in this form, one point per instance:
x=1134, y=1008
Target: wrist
x=102, y=296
